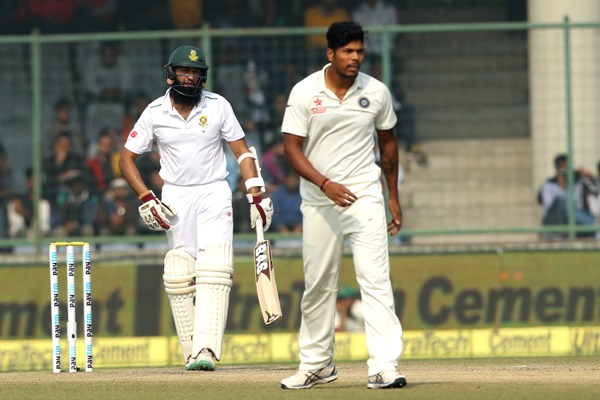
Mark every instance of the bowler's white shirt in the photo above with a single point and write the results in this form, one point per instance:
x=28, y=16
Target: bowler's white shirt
x=191, y=151
x=339, y=135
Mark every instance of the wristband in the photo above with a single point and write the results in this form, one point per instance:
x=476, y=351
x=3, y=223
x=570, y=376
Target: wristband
x=324, y=184
x=255, y=182
x=147, y=196
x=244, y=156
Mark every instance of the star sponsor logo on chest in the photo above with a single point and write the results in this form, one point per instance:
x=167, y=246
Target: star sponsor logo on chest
x=318, y=107
x=203, y=120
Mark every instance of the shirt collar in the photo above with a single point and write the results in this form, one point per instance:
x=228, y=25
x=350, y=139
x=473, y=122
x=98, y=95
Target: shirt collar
x=359, y=82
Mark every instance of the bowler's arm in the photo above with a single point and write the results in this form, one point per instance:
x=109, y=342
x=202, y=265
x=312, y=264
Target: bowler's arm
x=388, y=148
x=292, y=146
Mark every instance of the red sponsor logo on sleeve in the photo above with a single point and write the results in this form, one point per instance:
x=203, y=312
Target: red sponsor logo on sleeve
x=133, y=134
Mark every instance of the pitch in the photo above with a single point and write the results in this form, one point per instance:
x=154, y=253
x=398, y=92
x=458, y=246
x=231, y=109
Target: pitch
x=500, y=378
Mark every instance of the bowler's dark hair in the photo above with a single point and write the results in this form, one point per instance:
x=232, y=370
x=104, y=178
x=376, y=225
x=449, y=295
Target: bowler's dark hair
x=340, y=34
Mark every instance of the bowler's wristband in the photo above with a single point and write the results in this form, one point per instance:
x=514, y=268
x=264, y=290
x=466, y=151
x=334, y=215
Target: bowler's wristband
x=324, y=184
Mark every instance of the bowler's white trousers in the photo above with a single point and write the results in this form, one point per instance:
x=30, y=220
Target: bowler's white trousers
x=324, y=232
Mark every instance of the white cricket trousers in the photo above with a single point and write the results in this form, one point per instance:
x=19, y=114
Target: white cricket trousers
x=325, y=228
x=204, y=215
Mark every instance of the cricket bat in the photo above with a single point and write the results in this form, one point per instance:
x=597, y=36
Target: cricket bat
x=266, y=287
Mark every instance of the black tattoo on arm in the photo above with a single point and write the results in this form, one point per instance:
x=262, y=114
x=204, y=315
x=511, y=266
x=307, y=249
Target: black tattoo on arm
x=388, y=164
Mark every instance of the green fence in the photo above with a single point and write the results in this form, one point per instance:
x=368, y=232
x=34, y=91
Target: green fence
x=484, y=108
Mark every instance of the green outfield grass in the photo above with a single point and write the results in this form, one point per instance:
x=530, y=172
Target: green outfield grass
x=501, y=378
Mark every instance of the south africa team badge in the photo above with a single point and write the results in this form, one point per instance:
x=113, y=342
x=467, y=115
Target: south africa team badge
x=203, y=120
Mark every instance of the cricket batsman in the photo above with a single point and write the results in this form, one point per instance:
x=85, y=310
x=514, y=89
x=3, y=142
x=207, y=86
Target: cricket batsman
x=189, y=126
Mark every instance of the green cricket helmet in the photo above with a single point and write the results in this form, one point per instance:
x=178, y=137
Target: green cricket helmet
x=191, y=57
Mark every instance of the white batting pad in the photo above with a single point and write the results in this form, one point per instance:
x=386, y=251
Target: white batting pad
x=218, y=257
x=214, y=271
x=179, y=278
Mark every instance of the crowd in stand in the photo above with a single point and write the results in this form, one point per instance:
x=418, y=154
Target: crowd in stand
x=76, y=16
x=83, y=192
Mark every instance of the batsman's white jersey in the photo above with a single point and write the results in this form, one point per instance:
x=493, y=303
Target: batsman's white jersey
x=193, y=166
x=340, y=142
x=191, y=151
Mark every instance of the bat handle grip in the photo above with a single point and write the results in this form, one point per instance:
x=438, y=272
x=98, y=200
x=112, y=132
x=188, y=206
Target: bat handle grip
x=260, y=233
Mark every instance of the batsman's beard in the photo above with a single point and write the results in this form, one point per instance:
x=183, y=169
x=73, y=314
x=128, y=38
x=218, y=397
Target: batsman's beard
x=186, y=97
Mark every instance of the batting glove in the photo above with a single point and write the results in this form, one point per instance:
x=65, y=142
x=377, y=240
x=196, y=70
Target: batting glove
x=260, y=208
x=154, y=212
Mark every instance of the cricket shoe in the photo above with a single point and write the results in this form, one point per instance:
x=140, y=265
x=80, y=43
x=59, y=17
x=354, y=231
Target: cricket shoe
x=309, y=378
x=202, y=362
x=387, y=380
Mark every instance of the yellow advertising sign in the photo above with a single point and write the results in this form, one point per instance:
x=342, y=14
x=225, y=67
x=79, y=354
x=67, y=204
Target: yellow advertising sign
x=433, y=293
x=521, y=342
x=32, y=355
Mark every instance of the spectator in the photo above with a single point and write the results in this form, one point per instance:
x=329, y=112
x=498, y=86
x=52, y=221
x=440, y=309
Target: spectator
x=95, y=15
x=287, y=200
x=597, y=179
x=117, y=214
x=230, y=77
x=255, y=94
x=50, y=16
x=282, y=72
x=374, y=13
x=9, y=18
x=241, y=212
x=553, y=197
x=145, y=15
x=104, y=166
x=233, y=172
x=235, y=14
x=323, y=14
x=5, y=190
x=274, y=163
x=243, y=80
x=254, y=136
x=349, y=314
x=21, y=222
x=407, y=128
x=76, y=206
x=277, y=73
x=149, y=166
x=107, y=75
x=186, y=14
x=107, y=83
x=272, y=127
x=137, y=107
x=156, y=181
x=55, y=167
x=63, y=122
x=277, y=14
